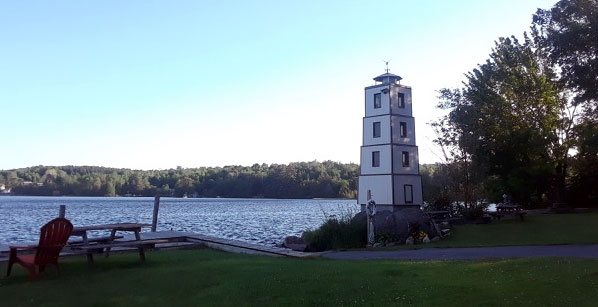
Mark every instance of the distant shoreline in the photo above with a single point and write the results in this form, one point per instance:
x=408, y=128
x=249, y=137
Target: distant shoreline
x=300, y=180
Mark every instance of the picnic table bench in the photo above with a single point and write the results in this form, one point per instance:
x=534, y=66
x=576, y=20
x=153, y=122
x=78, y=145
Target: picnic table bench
x=103, y=239
x=141, y=245
x=508, y=210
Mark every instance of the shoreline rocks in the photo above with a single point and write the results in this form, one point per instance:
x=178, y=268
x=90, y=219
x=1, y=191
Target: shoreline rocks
x=398, y=223
x=295, y=243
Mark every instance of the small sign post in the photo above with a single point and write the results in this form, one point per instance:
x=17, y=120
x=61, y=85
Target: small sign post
x=371, y=211
x=155, y=216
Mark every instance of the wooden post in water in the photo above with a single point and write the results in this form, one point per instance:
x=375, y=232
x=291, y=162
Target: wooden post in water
x=155, y=216
x=62, y=211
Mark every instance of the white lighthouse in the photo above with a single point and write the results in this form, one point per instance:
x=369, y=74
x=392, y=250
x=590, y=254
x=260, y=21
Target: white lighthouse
x=389, y=158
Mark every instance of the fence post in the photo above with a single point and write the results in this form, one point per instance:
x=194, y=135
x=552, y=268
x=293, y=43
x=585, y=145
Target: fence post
x=62, y=211
x=155, y=216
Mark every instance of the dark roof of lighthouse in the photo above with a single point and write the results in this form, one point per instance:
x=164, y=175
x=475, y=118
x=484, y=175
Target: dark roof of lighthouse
x=388, y=78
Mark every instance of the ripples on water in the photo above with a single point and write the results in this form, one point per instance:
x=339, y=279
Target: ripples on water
x=262, y=221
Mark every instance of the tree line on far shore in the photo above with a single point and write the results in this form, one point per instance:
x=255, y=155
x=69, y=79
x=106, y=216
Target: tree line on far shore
x=440, y=181
x=295, y=180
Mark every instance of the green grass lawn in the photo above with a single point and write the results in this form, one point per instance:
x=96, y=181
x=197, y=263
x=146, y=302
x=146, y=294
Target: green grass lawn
x=207, y=277
x=536, y=229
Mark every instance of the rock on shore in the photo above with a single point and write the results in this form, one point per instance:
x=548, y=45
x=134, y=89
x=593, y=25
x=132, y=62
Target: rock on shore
x=295, y=243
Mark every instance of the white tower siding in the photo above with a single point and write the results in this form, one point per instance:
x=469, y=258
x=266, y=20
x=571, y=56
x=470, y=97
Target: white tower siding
x=396, y=130
x=413, y=168
x=380, y=187
x=385, y=160
x=368, y=130
x=389, y=130
x=415, y=182
x=369, y=101
x=406, y=91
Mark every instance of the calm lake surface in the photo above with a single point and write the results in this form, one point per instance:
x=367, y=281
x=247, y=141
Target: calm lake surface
x=261, y=221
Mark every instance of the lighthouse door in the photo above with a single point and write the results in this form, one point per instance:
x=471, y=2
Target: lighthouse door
x=408, y=190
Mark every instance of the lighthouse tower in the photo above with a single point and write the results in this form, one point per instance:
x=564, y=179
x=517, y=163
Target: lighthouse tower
x=389, y=158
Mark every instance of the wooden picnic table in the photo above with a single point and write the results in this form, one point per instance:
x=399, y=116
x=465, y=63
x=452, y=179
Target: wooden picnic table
x=438, y=214
x=508, y=208
x=130, y=227
x=514, y=210
x=81, y=231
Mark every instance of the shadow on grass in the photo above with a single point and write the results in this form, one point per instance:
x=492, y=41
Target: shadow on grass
x=208, y=278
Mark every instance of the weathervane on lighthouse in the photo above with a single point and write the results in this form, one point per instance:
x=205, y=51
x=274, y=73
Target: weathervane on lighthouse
x=386, y=62
x=389, y=172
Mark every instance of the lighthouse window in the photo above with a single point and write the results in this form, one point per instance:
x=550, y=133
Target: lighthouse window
x=408, y=189
x=401, y=100
x=376, y=129
x=377, y=101
x=375, y=158
x=405, y=158
x=403, y=129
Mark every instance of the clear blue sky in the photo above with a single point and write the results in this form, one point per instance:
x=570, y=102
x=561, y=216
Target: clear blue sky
x=160, y=84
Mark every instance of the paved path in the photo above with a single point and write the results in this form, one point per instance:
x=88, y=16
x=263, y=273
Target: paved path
x=471, y=253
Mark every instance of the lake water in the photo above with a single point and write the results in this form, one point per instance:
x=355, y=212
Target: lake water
x=261, y=221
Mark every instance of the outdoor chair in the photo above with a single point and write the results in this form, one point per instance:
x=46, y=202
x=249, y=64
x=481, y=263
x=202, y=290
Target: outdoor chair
x=53, y=237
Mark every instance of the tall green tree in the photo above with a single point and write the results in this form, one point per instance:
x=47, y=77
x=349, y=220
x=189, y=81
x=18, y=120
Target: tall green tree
x=584, y=177
x=568, y=33
x=509, y=121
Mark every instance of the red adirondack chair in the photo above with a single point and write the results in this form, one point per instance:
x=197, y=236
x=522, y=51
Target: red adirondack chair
x=53, y=237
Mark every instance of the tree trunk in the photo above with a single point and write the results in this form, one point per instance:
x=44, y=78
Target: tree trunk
x=560, y=184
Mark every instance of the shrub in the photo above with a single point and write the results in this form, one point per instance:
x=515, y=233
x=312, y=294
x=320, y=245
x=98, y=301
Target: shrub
x=386, y=237
x=335, y=234
x=474, y=211
x=443, y=202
